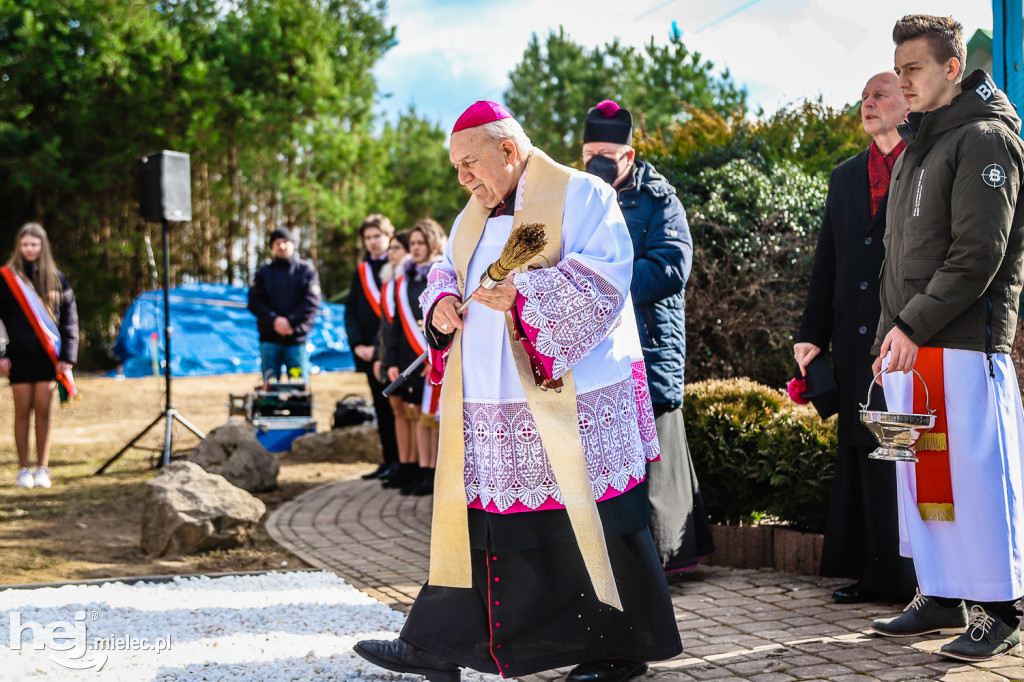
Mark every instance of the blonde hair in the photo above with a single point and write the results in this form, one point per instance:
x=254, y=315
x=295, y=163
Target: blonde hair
x=43, y=275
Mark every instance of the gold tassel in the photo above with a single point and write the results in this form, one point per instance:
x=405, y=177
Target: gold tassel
x=931, y=441
x=936, y=511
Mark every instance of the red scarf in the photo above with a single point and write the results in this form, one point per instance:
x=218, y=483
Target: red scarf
x=880, y=172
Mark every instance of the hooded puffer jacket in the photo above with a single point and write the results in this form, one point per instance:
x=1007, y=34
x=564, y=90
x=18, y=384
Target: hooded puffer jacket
x=954, y=247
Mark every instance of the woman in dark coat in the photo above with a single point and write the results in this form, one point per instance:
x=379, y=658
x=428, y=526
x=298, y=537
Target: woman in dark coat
x=31, y=276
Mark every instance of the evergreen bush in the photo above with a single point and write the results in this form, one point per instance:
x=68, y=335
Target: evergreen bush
x=758, y=453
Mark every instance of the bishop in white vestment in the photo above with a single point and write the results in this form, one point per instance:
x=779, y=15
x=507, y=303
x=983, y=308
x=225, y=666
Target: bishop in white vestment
x=540, y=553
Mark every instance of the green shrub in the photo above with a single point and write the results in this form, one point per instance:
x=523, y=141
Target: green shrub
x=757, y=452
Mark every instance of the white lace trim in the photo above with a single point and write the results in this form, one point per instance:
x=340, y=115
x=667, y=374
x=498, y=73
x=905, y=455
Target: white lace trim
x=645, y=412
x=506, y=462
x=439, y=281
x=573, y=307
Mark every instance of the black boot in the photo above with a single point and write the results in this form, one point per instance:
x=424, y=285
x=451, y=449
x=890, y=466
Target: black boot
x=406, y=472
x=401, y=657
x=389, y=472
x=376, y=473
x=426, y=485
x=417, y=480
x=613, y=670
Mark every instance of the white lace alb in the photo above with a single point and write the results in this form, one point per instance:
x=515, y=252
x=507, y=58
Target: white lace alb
x=573, y=307
x=506, y=462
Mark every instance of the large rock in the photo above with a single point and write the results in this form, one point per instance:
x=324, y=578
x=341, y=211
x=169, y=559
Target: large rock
x=188, y=510
x=234, y=452
x=346, y=445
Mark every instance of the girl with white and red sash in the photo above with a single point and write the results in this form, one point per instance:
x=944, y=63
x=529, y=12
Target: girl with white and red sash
x=405, y=428
x=38, y=309
x=406, y=343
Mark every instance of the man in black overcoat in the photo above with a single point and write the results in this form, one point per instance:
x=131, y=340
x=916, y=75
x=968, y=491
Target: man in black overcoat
x=843, y=307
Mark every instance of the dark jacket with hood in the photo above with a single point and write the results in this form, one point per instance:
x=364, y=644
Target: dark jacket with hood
x=286, y=287
x=955, y=239
x=662, y=256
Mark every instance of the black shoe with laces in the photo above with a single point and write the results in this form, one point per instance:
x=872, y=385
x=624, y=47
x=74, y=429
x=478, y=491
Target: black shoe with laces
x=923, y=616
x=986, y=638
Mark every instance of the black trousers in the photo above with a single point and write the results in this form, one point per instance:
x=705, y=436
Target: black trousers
x=382, y=407
x=1007, y=611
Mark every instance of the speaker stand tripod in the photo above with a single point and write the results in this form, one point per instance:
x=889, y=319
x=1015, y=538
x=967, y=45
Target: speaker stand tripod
x=170, y=414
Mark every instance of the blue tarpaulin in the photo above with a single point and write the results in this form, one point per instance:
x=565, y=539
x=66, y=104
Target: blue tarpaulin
x=212, y=332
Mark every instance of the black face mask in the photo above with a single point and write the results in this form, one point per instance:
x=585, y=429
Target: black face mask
x=604, y=168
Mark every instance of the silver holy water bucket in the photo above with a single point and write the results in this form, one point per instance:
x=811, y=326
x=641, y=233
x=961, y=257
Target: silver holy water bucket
x=896, y=432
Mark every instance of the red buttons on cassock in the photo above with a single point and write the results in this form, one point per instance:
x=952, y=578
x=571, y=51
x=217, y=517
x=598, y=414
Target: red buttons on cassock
x=494, y=558
x=497, y=603
x=497, y=625
x=498, y=647
x=506, y=666
x=497, y=579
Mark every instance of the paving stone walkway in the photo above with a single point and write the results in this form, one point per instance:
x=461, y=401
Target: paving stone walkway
x=736, y=624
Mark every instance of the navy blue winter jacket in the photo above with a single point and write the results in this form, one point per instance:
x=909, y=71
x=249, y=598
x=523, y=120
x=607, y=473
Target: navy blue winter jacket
x=289, y=288
x=662, y=253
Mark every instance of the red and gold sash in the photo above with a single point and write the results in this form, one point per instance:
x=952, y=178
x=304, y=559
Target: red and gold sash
x=934, y=482
x=370, y=288
x=45, y=329
x=411, y=327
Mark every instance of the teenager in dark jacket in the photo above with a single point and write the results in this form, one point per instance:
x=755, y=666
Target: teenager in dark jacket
x=284, y=297
x=38, y=309
x=951, y=286
x=662, y=253
x=363, y=315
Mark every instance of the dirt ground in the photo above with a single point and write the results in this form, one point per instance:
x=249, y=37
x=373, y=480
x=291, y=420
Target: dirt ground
x=88, y=526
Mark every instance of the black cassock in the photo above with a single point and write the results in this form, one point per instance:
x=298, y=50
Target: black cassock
x=532, y=607
x=843, y=307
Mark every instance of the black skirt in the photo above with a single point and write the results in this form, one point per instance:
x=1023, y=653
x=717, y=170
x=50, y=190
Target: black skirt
x=31, y=366
x=532, y=607
x=679, y=523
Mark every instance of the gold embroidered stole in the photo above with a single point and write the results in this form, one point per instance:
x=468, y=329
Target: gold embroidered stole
x=555, y=413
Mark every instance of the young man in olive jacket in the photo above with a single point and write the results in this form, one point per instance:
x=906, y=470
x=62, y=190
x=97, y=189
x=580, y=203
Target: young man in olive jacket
x=662, y=255
x=861, y=532
x=951, y=282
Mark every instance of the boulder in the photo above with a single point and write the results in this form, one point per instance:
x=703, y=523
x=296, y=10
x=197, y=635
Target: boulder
x=359, y=443
x=188, y=510
x=234, y=452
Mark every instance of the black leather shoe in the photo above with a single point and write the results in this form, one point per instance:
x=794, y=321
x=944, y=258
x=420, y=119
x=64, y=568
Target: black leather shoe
x=377, y=473
x=852, y=594
x=615, y=670
x=401, y=657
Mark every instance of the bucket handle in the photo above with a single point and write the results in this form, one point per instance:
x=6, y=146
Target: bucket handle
x=927, y=402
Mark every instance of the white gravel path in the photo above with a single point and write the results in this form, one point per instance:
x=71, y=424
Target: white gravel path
x=285, y=626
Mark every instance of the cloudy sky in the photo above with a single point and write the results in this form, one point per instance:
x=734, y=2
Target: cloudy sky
x=451, y=53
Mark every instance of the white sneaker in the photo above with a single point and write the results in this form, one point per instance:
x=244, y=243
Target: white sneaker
x=42, y=477
x=25, y=478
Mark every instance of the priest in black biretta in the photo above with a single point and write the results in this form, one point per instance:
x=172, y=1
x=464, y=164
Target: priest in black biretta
x=662, y=255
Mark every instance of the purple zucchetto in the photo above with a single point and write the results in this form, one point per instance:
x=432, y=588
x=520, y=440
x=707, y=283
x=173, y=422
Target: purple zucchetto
x=481, y=113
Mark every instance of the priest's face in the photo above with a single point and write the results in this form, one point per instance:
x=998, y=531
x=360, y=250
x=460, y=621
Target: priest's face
x=486, y=167
x=882, y=105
